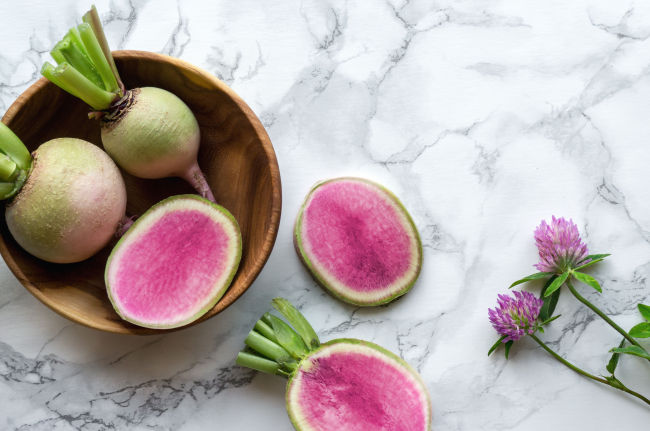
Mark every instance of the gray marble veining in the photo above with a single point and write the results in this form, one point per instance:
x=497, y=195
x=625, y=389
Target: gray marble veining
x=484, y=117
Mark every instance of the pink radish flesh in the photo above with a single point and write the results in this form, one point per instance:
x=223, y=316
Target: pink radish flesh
x=171, y=271
x=359, y=240
x=357, y=390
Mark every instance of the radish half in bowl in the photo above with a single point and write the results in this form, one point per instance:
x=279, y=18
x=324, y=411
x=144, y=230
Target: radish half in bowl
x=174, y=263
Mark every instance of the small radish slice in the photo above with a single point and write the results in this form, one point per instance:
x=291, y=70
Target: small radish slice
x=356, y=385
x=358, y=241
x=174, y=263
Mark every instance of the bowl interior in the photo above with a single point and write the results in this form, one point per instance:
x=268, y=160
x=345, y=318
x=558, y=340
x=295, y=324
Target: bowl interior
x=236, y=156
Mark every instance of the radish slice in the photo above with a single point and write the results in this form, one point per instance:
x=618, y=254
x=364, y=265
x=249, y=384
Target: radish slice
x=174, y=263
x=357, y=240
x=356, y=385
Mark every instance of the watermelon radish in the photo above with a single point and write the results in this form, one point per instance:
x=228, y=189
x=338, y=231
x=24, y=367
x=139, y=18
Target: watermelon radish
x=68, y=197
x=343, y=384
x=174, y=263
x=149, y=132
x=358, y=242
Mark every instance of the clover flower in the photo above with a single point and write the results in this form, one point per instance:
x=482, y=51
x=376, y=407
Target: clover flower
x=516, y=317
x=560, y=246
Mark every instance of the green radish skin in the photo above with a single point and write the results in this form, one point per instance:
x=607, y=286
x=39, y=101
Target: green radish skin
x=154, y=134
x=346, y=346
x=71, y=203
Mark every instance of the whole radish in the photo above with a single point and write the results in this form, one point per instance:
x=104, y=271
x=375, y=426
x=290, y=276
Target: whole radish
x=68, y=198
x=148, y=131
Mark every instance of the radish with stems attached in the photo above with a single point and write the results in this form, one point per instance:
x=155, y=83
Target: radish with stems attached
x=343, y=384
x=68, y=200
x=174, y=263
x=148, y=131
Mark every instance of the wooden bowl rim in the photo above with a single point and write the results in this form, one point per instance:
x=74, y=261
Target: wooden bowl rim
x=275, y=210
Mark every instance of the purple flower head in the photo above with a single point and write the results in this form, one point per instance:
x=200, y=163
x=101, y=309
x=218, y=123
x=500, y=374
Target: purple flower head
x=516, y=317
x=560, y=246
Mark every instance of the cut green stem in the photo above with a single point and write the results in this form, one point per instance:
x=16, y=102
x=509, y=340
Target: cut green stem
x=14, y=148
x=68, y=78
x=98, y=58
x=620, y=386
x=15, y=163
x=8, y=169
x=601, y=314
x=266, y=330
x=85, y=65
x=288, y=338
x=74, y=54
x=298, y=321
x=255, y=362
x=92, y=19
x=266, y=347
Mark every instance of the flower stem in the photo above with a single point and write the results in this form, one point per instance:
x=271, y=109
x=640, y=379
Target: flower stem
x=601, y=314
x=580, y=371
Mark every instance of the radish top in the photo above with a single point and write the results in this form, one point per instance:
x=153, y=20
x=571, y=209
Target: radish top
x=85, y=67
x=15, y=163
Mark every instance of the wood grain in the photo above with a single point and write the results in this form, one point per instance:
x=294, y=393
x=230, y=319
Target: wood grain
x=236, y=155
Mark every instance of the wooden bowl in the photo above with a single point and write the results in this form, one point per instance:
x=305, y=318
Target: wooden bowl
x=236, y=156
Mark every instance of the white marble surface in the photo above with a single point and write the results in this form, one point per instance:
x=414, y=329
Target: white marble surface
x=484, y=117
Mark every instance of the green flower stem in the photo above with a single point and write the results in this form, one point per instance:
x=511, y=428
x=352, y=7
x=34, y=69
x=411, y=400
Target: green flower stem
x=582, y=372
x=601, y=314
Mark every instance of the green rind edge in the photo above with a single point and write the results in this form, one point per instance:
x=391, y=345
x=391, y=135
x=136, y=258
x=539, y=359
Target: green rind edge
x=219, y=294
x=298, y=245
x=374, y=346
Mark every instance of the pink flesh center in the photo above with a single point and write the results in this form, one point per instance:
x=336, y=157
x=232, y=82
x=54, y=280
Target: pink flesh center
x=357, y=392
x=169, y=271
x=356, y=235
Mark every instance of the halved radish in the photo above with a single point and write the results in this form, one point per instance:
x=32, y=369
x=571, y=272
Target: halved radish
x=344, y=384
x=357, y=240
x=174, y=263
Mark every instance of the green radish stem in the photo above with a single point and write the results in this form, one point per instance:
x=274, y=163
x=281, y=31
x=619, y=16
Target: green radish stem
x=92, y=19
x=265, y=330
x=96, y=54
x=298, y=321
x=278, y=346
x=258, y=363
x=75, y=83
x=70, y=51
x=15, y=162
x=86, y=68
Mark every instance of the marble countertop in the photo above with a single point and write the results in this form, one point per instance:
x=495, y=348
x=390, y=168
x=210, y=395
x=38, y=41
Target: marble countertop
x=484, y=117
